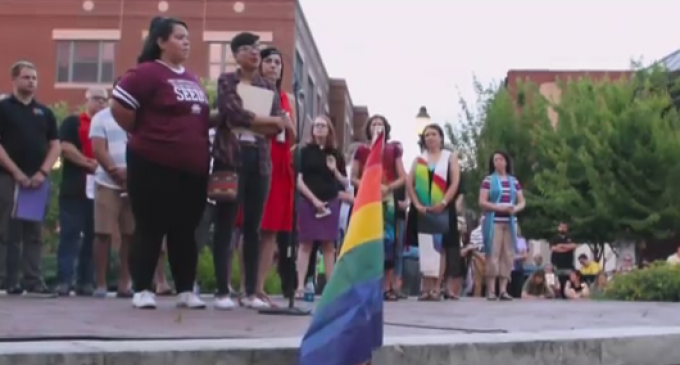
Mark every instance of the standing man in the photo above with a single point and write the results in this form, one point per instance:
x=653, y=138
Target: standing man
x=29, y=147
x=112, y=212
x=76, y=209
x=562, y=256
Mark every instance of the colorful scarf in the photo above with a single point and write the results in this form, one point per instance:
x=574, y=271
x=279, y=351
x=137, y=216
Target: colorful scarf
x=495, y=193
x=431, y=191
x=84, y=135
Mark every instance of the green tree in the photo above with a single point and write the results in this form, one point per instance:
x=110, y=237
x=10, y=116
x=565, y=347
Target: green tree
x=501, y=120
x=609, y=166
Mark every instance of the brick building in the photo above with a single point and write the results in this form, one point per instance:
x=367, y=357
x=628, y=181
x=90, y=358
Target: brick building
x=547, y=81
x=77, y=44
x=322, y=94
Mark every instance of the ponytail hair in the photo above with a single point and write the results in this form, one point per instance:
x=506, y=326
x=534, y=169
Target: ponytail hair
x=159, y=28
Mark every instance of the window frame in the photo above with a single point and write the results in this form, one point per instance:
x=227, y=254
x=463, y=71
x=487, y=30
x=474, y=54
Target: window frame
x=71, y=58
x=225, y=55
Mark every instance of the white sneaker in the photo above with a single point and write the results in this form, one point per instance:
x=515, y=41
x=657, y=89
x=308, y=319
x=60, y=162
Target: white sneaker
x=189, y=300
x=255, y=303
x=144, y=300
x=224, y=303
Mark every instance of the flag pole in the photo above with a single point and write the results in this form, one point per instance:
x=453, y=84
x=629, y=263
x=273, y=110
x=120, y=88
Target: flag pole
x=291, y=250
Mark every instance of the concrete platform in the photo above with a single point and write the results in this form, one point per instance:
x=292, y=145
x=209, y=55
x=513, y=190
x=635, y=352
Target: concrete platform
x=88, y=331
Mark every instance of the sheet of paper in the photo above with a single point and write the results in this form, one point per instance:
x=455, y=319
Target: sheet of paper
x=428, y=256
x=281, y=137
x=89, y=186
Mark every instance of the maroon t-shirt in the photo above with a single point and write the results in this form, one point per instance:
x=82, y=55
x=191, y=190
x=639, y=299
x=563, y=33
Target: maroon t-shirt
x=173, y=115
x=391, y=153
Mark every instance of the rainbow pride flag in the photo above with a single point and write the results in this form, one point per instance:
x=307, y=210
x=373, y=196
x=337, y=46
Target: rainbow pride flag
x=347, y=324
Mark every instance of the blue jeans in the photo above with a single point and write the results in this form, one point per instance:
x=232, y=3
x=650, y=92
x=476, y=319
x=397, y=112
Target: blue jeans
x=76, y=222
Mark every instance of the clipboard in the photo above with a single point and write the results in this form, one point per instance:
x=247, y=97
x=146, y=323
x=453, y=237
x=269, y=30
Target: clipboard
x=31, y=204
x=256, y=100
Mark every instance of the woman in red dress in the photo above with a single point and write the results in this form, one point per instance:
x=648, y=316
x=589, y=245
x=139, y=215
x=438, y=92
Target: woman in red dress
x=278, y=210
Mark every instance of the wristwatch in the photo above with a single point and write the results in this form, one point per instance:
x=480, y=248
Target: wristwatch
x=42, y=171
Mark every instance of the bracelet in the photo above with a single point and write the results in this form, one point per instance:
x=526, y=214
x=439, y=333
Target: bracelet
x=43, y=172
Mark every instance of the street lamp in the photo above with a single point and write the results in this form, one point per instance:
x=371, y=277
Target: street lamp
x=422, y=121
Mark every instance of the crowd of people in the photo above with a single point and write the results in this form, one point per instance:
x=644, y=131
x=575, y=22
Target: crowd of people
x=159, y=165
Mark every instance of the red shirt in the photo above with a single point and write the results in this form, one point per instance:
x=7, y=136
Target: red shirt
x=392, y=152
x=84, y=134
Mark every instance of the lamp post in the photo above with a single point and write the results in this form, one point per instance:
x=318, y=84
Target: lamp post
x=422, y=121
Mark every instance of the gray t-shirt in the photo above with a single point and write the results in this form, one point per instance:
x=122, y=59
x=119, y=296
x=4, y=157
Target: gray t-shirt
x=104, y=126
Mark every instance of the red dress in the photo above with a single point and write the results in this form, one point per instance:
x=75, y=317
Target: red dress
x=278, y=209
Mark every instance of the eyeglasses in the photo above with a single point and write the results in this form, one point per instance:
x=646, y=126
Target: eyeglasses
x=251, y=48
x=99, y=99
x=320, y=125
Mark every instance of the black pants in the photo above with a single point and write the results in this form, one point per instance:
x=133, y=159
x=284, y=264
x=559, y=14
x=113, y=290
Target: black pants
x=168, y=203
x=311, y=264
x=253, y=190
x=516, y=283
x=203, y=230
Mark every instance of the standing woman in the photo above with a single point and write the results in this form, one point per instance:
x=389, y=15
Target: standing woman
x=166, y=112
x=433, y=183
x=321, y=178
x=393, y=179
x=501, y=198
x=278, y=209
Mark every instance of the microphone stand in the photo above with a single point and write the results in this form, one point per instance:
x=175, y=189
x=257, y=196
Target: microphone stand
x=291, y=251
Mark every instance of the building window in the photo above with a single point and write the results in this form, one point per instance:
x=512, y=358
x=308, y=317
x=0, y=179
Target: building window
x=85, y=61
x=299, y=68
x=220, y=59
x=319, y=105
x=311, y=90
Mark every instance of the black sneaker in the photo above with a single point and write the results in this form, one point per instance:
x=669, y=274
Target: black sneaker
x=85, y=290
x=41, y=291
x=64, y=290
x=15, y=290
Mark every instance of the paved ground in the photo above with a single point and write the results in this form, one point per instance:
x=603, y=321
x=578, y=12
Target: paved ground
x=30, y=318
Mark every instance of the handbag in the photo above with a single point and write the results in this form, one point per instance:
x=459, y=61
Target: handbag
x=223, y=186
x=434, y=223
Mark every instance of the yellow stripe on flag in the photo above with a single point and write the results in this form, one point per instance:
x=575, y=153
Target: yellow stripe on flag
x=364, y=227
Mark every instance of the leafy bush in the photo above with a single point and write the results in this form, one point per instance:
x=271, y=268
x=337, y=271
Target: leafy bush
x=206, y=275
x=659, y=283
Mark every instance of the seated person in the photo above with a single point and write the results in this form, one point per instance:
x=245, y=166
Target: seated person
x=536, y=287
x=589, y=268
x=552, y=281
x=600, y=284
x=576, y=288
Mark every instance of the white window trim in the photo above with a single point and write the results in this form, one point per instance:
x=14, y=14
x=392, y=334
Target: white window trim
x=81, y=85
x=86, y=34
x=226, y=36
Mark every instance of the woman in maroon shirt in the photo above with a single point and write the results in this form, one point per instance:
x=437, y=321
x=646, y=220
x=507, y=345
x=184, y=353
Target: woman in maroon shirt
x=166, y=112
x=393, y=179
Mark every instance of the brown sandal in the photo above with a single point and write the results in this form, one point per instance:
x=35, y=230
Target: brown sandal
x=263, y=297
x=390, y=296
